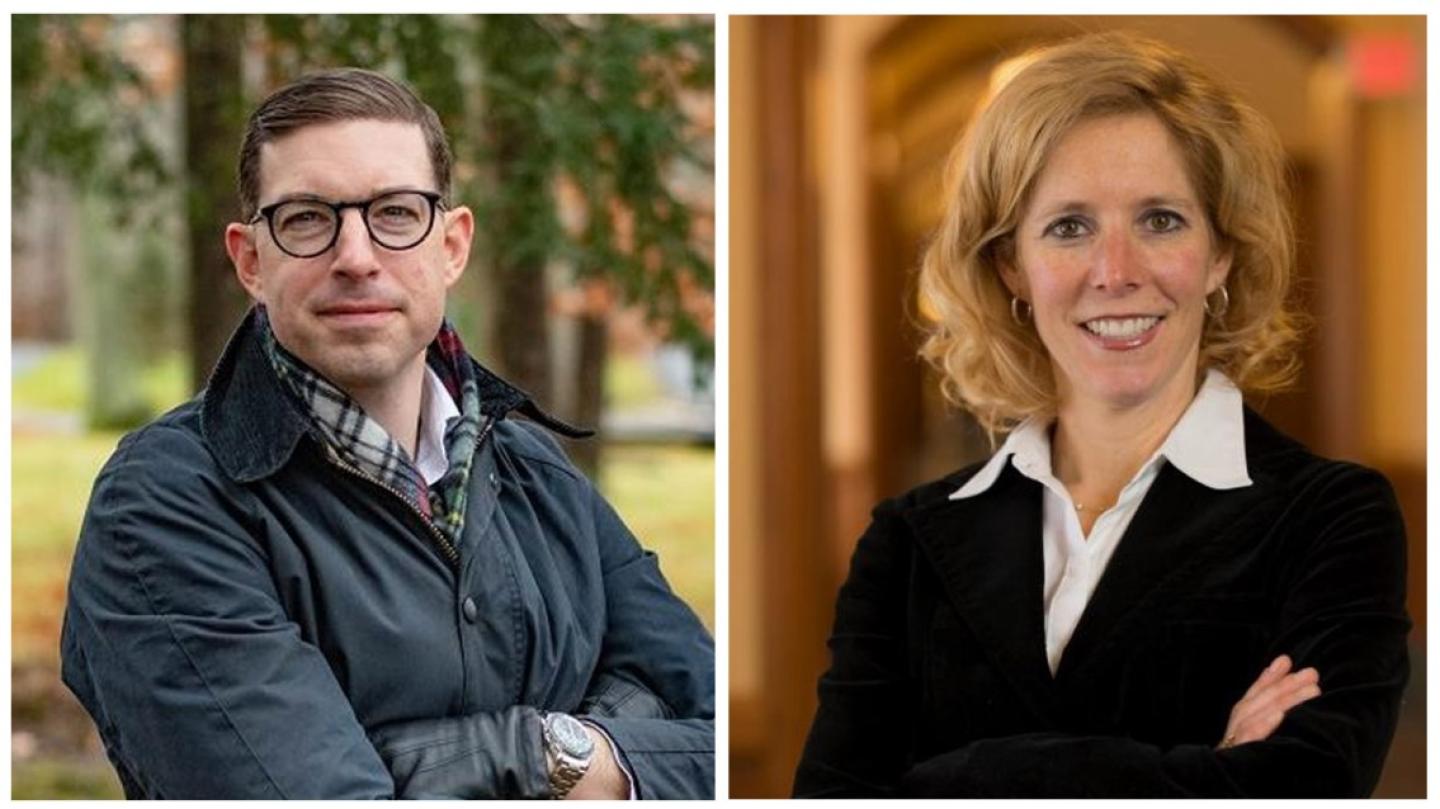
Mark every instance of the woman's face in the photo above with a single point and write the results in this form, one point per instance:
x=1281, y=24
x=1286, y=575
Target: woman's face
x=1115, y=255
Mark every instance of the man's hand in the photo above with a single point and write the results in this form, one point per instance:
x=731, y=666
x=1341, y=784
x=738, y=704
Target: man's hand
x=604, y=780
x=1264, y=706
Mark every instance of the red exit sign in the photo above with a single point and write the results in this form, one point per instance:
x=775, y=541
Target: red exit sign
x=1383, y=65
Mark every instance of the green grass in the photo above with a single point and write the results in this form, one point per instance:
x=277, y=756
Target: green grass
x=629, y=382
x=51, y=476
x=56, y=383
x=59, y=383
x=667, y=497
x=57, y=779
x=167, y=383
x=50, y=480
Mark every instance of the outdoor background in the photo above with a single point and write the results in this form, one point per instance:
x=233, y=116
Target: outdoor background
x=583, y=143
x=839, y=132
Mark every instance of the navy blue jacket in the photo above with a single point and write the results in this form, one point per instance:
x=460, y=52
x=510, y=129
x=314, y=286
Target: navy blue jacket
x=248, y=620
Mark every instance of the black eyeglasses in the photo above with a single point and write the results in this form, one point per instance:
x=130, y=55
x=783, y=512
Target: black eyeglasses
x=305, y=228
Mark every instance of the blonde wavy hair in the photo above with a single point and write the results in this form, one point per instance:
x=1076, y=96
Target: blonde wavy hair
x=998, y=369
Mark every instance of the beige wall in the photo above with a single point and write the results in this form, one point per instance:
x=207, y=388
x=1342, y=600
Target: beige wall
x=746, y=529
x=1392, y=262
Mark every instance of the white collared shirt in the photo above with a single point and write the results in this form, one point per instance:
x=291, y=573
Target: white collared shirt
x=1207, y=444
x=436, y=410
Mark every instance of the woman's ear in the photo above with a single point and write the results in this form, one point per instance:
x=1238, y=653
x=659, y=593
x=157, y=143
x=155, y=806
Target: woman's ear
x=1013, y=279
x=1219, y=270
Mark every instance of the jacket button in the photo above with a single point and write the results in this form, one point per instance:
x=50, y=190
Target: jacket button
x=494, y=480
x=472, y=612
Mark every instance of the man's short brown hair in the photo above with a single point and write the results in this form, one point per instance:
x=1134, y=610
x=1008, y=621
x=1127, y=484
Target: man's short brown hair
x=345, y=94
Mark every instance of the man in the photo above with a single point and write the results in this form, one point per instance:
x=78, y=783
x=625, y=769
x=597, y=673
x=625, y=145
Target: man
x=346, y=569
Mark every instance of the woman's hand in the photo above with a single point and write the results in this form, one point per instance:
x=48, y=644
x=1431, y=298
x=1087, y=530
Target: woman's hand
x=1264, y=706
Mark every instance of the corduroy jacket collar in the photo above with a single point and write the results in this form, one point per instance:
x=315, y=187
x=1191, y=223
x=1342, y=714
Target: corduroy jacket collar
x=252, y=427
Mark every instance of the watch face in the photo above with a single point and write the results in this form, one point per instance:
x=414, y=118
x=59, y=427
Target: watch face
x=569, y=735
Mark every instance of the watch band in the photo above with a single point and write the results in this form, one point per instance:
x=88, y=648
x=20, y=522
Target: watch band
x=568, y=751
x=563, y=778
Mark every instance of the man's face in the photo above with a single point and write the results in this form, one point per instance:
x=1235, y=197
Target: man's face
x=358, y=313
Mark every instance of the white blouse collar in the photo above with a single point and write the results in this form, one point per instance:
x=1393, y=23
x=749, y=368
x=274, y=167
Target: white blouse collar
x=1207, y=443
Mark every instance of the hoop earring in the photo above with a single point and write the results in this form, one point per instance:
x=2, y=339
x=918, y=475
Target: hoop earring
x=1224, y=304
x=1015, y=311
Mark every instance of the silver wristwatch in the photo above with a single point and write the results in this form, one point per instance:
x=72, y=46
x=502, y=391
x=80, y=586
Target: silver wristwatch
x=568, y=751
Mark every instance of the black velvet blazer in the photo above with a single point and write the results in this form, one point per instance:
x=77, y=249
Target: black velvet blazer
x=939, y=686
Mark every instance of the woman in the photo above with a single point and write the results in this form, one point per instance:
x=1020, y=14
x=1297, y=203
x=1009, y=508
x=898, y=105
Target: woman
x=1148, y=590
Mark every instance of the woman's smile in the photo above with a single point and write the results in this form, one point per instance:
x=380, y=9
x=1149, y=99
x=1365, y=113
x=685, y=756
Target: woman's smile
x=1124, y=333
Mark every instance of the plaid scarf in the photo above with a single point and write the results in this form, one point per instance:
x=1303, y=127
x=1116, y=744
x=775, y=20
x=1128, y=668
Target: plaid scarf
x=353, y=438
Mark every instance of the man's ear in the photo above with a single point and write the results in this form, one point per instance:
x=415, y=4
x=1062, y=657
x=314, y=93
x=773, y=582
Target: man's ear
x=240, y=245
x=459, y=224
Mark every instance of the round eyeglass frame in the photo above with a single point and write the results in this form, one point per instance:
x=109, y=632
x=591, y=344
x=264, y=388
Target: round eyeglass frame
x=268, y=214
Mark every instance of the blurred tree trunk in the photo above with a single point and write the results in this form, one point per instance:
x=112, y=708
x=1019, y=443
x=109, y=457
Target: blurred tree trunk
x=590, y=392
x=521, y=326
x=109, y=264
x=518, y=58
x=214, y=118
